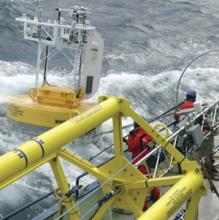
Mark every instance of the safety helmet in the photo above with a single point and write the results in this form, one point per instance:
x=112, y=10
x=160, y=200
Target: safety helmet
x=191, y=94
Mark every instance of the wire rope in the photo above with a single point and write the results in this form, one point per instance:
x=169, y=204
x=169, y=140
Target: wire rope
x=182, y=73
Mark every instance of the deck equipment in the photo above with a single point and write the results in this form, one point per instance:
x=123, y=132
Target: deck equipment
x=120, y=184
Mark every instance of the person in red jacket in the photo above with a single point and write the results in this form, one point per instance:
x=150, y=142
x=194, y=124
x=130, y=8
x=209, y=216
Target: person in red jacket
x=140, y=143
x=185, y=108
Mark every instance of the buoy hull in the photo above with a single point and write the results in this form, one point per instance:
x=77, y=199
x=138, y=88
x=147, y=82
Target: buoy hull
x=24, y=109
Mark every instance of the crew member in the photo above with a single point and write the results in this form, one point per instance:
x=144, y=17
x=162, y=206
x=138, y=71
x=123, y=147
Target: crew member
x=140, y=144
x=207, y=145
x=186, y=108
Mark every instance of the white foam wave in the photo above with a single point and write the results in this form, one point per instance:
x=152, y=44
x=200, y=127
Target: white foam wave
x=137, y=87
x=18, y=78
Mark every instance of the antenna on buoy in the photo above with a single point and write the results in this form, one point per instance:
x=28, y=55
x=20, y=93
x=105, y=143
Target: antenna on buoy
x=37, y=8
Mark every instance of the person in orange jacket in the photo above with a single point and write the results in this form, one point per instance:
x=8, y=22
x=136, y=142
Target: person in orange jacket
x=140, y=143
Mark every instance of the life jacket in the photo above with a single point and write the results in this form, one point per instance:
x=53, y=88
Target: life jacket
x=138, y=141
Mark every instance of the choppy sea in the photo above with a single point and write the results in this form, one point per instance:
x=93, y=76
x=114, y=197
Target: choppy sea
x=147, y=45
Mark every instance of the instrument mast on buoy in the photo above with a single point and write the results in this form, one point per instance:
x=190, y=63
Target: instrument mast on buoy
x=70, y=32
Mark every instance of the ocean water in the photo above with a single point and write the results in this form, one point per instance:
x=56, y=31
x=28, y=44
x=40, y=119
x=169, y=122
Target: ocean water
x=147, y=45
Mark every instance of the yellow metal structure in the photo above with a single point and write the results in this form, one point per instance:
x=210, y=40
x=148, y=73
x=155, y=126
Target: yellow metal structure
x=48, y=107
x=187, y=187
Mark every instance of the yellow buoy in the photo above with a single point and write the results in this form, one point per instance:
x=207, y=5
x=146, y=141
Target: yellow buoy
x=49, y=105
